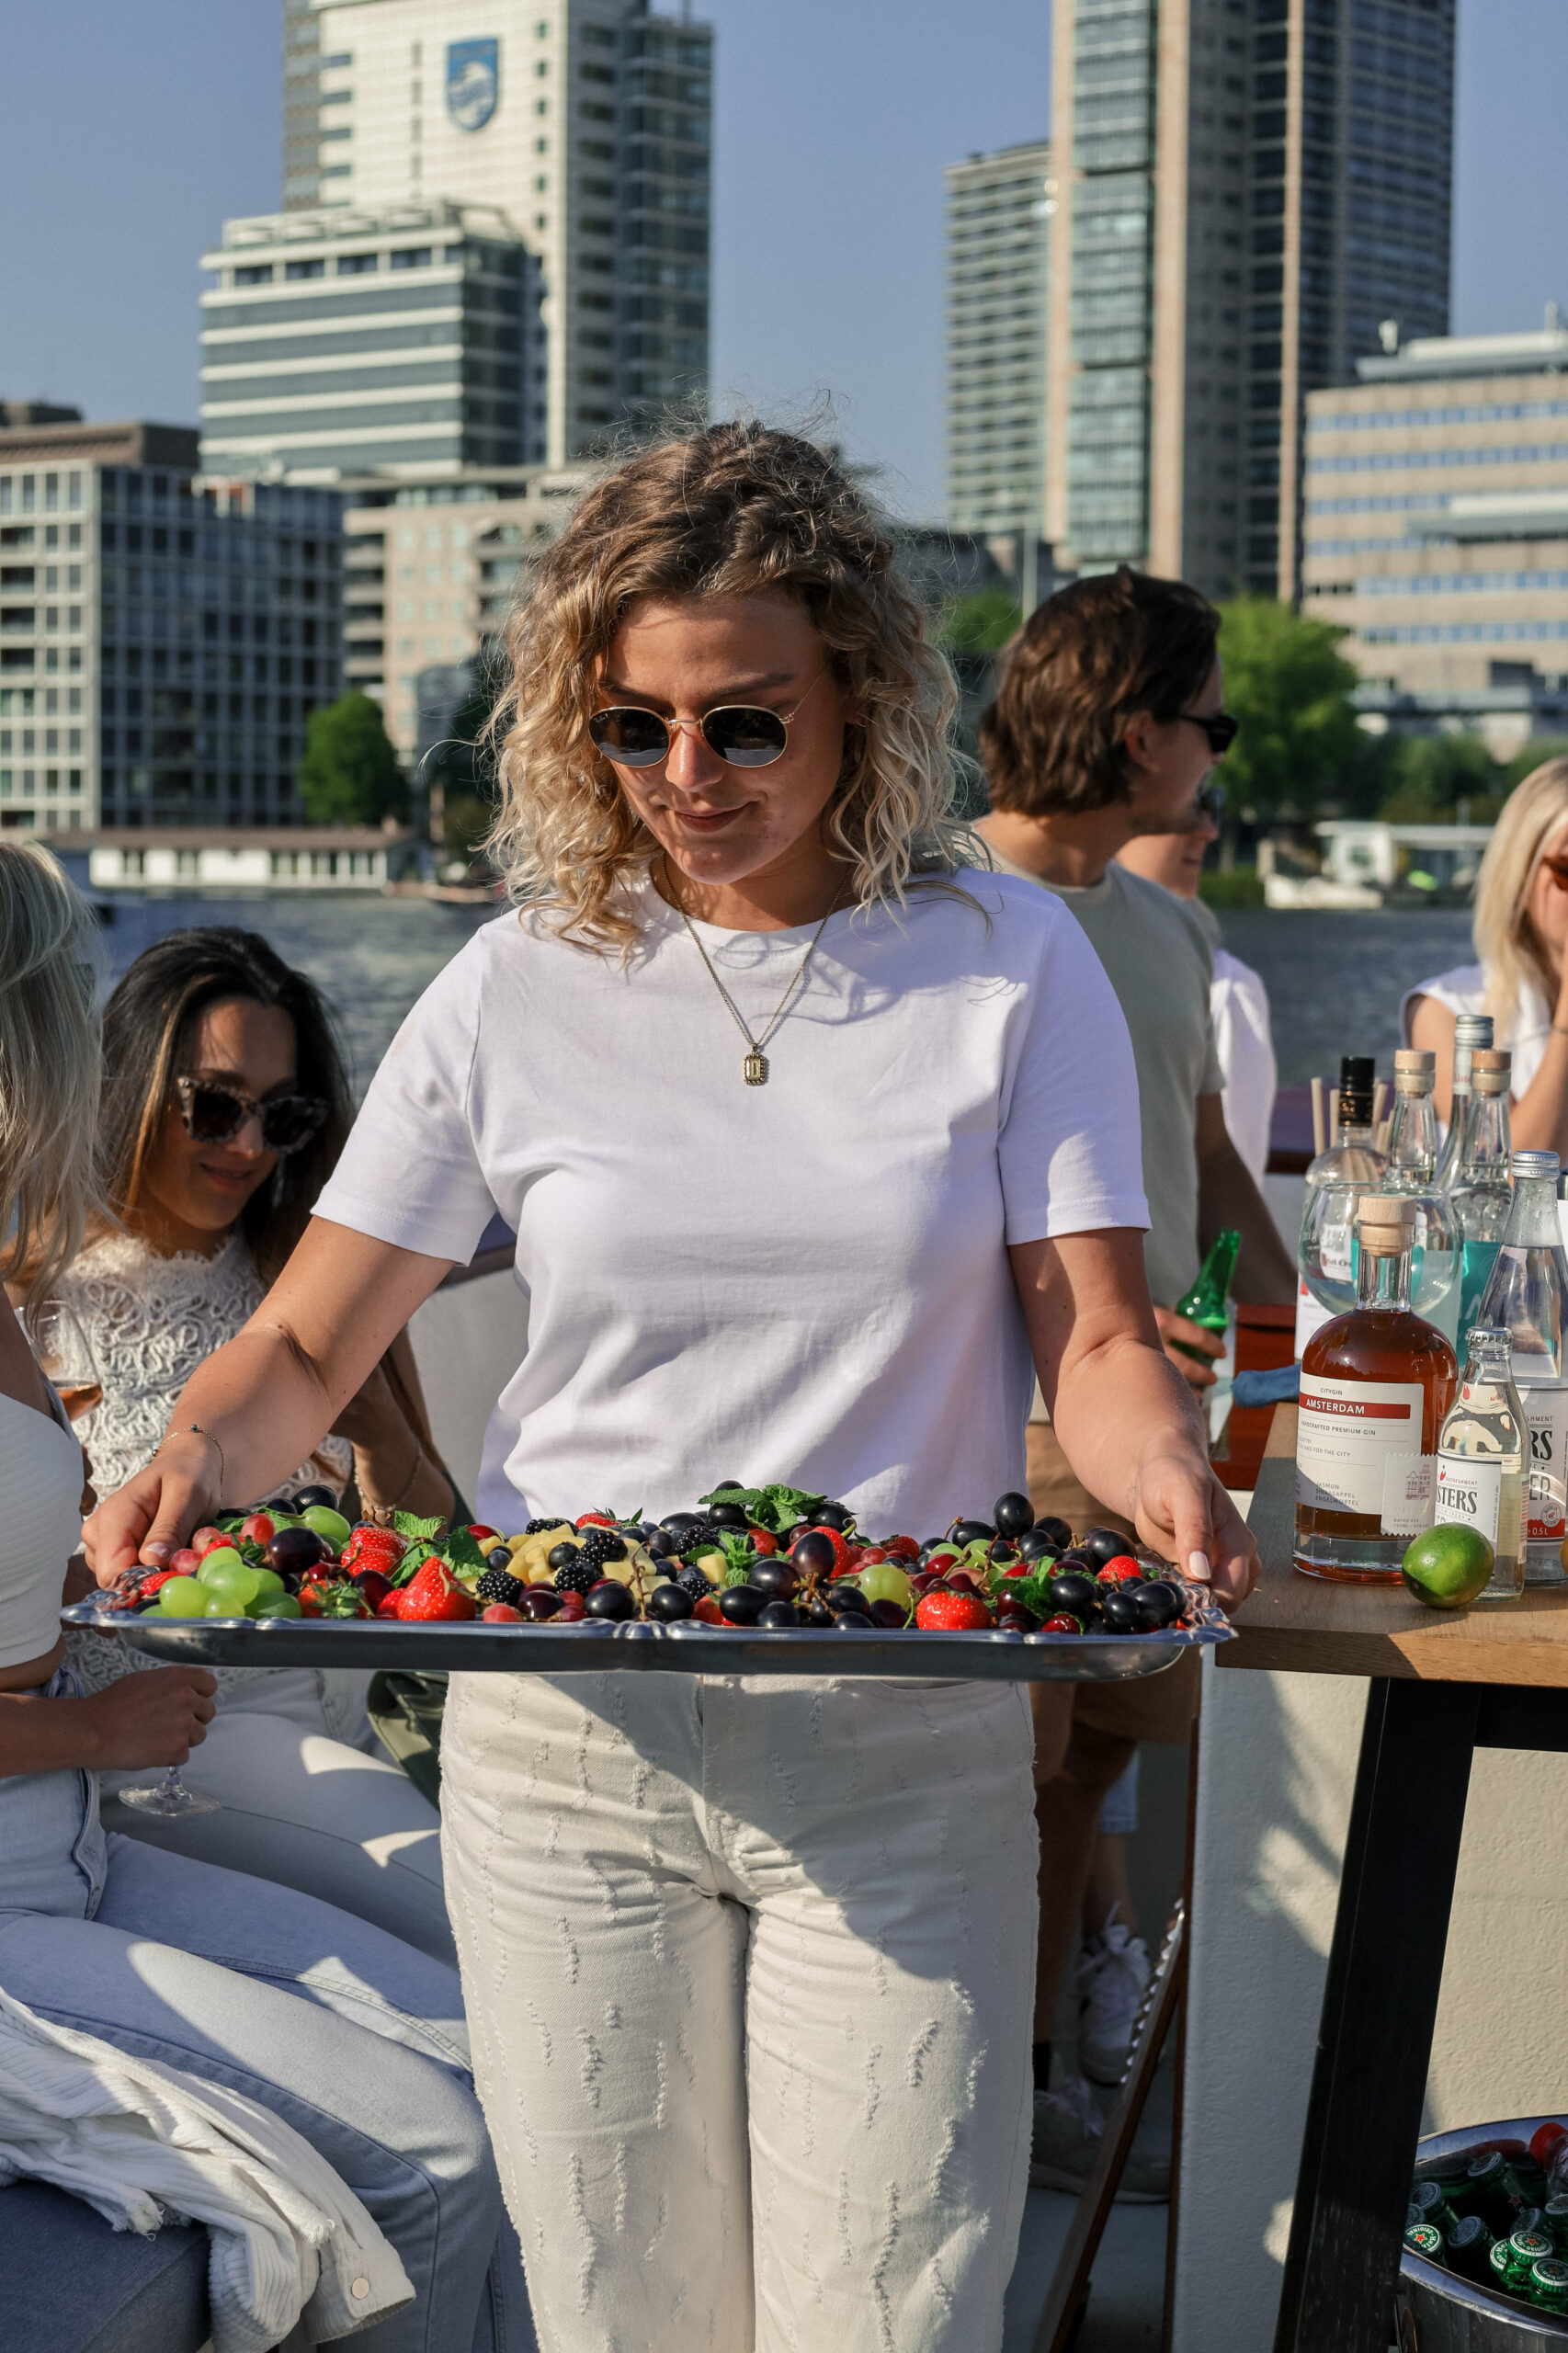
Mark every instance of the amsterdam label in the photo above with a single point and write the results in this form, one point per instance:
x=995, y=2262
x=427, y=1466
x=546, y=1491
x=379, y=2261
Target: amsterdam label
x=1358, y=1450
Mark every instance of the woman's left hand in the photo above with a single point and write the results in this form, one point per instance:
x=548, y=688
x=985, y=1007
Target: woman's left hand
x=1184, y=1513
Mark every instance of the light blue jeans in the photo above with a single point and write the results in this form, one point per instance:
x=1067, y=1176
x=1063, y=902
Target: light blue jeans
x=353, y=2038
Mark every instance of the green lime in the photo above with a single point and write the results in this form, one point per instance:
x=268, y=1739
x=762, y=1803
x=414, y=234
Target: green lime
x=1447, y=1566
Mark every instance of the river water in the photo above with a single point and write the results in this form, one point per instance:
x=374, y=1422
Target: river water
x=1335, y=980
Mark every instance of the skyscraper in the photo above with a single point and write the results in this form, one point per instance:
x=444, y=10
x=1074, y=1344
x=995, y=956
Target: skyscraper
x=998, y=244
x=587, y=122
x=1246, y=189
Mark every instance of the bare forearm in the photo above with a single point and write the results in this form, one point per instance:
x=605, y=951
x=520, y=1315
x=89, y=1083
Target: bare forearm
x=394, y=1469
x=1538, y=1120
x=1118, y=1403
x=264, y=1405
x=46, y=1735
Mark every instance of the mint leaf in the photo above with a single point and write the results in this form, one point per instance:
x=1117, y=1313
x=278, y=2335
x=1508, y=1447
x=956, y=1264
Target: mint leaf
x=735, y=1574
x=462, y=1553
x=1033, y=1591
x=413, y=1561
x=406, y=1524
x=739, y=1551
x=775, y=1509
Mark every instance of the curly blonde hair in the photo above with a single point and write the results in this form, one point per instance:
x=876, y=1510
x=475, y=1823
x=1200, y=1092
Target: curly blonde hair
x=738, y=509
x=50, y=1067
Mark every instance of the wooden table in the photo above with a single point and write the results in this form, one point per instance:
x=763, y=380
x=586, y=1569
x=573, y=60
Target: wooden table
x=1442, y=1685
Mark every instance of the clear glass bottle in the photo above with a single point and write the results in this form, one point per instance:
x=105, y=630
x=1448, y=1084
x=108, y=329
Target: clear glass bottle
x=1481, y=1460
x=1376, y=1387
x=1412, y=1160
x=1336, y=1179
x=1483, y=1193
x=1526, y=1297
x=1470, y=1030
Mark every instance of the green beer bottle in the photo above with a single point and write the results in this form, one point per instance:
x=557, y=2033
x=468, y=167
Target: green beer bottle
x=1495, y=2195
x=1508, y=2277
x=1469, y=2243
x=1556, y=2223
x=1549, y=2284
x=1205, y=1302
x=1430, y=2205
x=1422, y=2239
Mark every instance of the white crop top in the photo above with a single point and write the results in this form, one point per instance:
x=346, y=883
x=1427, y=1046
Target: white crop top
x=40, y=1525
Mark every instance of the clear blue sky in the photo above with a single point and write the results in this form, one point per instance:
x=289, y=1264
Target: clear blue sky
x=834, y=119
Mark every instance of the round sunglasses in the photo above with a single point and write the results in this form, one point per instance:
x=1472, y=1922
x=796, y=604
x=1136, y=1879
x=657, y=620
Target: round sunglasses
x=742, y=737
x=1222, y=727
x=212, y=1113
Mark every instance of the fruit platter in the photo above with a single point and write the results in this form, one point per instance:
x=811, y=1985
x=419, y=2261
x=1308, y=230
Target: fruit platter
x=713, y=1590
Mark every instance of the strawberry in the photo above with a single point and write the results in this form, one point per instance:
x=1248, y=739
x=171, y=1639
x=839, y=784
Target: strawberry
x=1123, y=1570
x=331, y=1597
x=374, y=1548
x=903, y=1548
x=434, y=1593
x=951, y=1613
x=1061, y=1623
x=149, y=1584
x=501, y=1613
x=595, y=1519
x=708, y=1609
x=763, y=1540
x=387, y=1606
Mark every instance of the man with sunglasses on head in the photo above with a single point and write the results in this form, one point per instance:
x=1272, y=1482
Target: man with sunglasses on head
x=1107, y=726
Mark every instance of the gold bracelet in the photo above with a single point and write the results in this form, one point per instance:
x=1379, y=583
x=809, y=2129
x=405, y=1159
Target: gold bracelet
x=194, y=1429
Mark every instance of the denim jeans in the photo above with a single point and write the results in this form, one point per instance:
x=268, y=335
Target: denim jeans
x=353, y=2038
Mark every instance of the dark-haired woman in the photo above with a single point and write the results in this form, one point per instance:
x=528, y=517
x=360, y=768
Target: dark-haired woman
x=749, y=1960
x=224, y=1108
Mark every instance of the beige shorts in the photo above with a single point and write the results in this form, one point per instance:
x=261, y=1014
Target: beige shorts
x=1157, y=1707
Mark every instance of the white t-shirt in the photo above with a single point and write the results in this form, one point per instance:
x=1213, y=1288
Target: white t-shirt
x=1239, y=1003
x=1524, y=1034
x=803, y=1281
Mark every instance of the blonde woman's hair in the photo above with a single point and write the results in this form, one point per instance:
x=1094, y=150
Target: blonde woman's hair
x=1506, y=940
x=49, y=1065
x=742, y=510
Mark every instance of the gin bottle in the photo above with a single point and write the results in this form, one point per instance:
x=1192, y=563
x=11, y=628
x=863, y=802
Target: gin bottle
x=1470, y=1030
x=1412, y=1160
x=1482, y=1194
x=1376, y=1387
x=1480, y=1460
x=1526, y=1297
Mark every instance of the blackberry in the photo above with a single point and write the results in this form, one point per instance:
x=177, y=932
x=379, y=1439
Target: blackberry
x=691, y=1580
x=538, y=1526
x=579, y=1575
x=498, y=1584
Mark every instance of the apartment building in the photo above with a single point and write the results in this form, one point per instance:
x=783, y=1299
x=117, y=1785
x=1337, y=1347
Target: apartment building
x=163, y=637
x=1246, y=189
x=1436, y=526
x=587, y=123
x=998, y=244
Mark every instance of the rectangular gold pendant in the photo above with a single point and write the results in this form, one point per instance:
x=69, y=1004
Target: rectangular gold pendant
x=756, y=1067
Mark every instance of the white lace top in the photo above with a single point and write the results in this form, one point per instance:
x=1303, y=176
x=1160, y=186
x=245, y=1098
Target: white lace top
x=150, y=1321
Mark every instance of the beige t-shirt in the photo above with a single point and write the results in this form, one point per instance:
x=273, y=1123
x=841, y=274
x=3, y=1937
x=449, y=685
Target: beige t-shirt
x=1158, y=960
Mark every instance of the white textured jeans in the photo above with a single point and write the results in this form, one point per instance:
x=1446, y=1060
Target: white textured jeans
x=749, y=1967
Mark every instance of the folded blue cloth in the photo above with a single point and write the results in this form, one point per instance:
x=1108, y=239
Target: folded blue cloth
x=1282, y=1386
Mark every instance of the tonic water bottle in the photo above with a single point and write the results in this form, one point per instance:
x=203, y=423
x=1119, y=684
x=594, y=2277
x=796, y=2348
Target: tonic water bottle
x=1470, y=1030
x=1480, y=1460
x=1525, y=1296
x=1376, y=1388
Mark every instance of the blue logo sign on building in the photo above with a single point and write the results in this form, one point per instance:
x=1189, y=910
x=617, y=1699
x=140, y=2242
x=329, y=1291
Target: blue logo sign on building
x=474, y=81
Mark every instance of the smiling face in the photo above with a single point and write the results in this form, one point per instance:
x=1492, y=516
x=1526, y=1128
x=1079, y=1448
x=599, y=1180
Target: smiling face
x=1173, y=860
x=1171, y=761
x=723, y=826
x=190, y=1193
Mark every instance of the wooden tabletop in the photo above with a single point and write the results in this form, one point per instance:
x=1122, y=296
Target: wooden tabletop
x=1316, y=1626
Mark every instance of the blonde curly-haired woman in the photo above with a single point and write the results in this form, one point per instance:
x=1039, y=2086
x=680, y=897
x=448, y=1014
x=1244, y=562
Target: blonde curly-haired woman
x=810, y=1138
x=1521, y=939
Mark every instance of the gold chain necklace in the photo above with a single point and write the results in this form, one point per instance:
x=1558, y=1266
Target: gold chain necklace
x=754, y=1070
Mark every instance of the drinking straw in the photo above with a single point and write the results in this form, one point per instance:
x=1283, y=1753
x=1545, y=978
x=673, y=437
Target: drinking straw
x=1320, y=1141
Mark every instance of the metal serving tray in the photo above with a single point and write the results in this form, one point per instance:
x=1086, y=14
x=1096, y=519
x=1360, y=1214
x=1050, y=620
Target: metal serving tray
x=687, y=1648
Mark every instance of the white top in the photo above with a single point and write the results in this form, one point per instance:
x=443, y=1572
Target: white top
x=1523, y=1035
x=802, y=1281
x=40, y=1527
x=1239, y=1003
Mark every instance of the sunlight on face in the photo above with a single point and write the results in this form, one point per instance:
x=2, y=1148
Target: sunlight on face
x=203, y=1187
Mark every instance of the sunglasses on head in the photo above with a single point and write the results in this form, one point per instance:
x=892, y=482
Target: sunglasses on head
x=213, y=1113
x=1222, y=727
x=741, y=737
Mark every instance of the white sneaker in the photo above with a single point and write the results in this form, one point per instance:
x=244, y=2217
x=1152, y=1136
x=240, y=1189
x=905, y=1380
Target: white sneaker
x=1112, y=1977
x=1065, y=2142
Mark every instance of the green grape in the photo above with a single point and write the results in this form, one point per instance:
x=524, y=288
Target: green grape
x=183, y=1597
x=276, y=1605
x=235, y=1586
x=267, y=1581
x=222, y=1602
x=220, y=1563
x=329, y=1524
x=884, y=1581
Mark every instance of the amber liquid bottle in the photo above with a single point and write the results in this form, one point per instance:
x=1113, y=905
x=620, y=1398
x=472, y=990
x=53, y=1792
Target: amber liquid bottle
x=1377, y=1383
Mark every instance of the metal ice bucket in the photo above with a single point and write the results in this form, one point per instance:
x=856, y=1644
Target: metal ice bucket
x=1439, y=2312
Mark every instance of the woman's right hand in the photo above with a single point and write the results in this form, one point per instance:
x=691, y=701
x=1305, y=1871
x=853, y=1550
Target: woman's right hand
x=145, y=1521
x=152, y=1717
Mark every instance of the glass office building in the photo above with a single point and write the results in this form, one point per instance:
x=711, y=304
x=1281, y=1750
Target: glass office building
x=998, y=243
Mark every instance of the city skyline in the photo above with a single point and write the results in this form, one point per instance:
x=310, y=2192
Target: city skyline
x=859, y=118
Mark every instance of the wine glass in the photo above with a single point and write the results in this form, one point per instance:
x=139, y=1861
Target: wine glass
x=169, y=1798
x=64, y=1356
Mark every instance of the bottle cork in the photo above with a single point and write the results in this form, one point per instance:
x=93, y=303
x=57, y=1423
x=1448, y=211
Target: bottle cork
x=1383, y=1222
x=1490, y=1070
x=1415, y=1071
